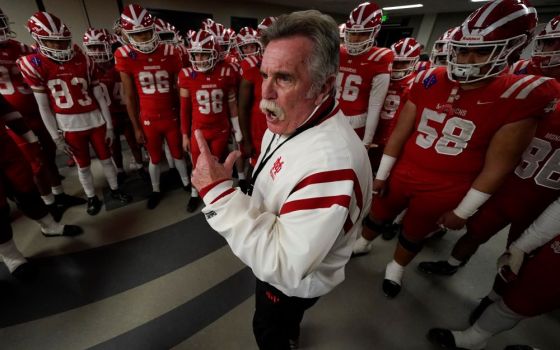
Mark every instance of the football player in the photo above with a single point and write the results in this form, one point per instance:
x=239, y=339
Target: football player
x=533, y=185
x=66, y=87
x=208, y=98
x=365, y=69
x=148, y=72
x=16, y=182
x=251, y=118
x=407, y=53
x=97, y=45
x=462, y=131
x=18, y=94
x=529, y=269
x=438, y=56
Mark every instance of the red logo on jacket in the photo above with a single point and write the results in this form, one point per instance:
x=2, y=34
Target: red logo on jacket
x=276, y=167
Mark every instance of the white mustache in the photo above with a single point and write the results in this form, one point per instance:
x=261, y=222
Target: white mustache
x=268, y=106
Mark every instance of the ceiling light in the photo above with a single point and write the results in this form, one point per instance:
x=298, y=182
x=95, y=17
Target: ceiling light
x=402, y=7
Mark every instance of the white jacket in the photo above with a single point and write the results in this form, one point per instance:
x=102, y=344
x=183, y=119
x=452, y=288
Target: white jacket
x=296, y=230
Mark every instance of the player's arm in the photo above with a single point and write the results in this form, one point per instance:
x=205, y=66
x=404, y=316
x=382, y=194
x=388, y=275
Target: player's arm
x=185, y=117
x=233, y=115
x=396, y=142
x=378, y=92
x=245, y=103
x=130, y=97
x=104, y=108
x=503, y=155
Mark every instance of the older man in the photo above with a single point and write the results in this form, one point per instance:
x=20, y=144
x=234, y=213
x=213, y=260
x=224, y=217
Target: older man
x=311, y=184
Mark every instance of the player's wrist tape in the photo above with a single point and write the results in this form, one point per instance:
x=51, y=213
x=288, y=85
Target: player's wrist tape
x=470, y=203
x=385, y=167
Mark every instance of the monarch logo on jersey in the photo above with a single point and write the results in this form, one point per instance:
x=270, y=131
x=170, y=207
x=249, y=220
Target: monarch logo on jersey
x=193, y=75
x=36, y=61
x=555, y=247
x=132, y=55
x=429, y=81
x=276, y=167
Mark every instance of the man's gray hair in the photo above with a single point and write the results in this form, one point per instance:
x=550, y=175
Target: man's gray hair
x=322, y=30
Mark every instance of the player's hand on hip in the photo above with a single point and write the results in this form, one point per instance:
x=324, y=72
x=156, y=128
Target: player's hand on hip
x=451, y=221
x=208, y=169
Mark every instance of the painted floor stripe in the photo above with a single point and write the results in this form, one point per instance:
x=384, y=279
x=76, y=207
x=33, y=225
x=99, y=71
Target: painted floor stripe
x=69, y=281
x=101, y=321
x=184, y=321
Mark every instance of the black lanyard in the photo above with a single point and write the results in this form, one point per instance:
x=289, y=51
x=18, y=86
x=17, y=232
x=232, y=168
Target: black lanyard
x=266, y=157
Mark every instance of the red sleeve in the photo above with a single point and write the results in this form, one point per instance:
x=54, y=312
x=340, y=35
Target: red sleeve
x=385, y=63
x=182, y=79
x=539, y=103
x=121, y=61
x=31, y=70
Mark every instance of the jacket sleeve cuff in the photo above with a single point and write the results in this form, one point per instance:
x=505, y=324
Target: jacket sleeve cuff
x=216, y=190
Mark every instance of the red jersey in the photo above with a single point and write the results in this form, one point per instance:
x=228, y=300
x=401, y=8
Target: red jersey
x=12, y=86
x=154, y=75
x=454, y=127
x=539, y=169
x=355, y=78
x=523, y=67
x=251, y=71
x=422, y=65
x=397, y=95
x=209, y=92
x=110, y=82
x=69, y=86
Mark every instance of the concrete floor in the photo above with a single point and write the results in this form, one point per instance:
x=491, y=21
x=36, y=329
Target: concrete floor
x=164, y=280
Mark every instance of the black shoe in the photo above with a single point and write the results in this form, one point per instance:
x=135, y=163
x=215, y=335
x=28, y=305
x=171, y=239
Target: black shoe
x=519, y=347
x=56, y=211
x=193, y=204
x=187, y=188
x=66, y=201
x=67, y=231
x=93, y=205
x=479, y=310
x=391, y=288
x=439, y=234
x=391, y=232
x=243, y=185
x=121, y=196
x=25, y=272
x=442, y=337
x=153, y=200
x=440, y=268
x=121, y=177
